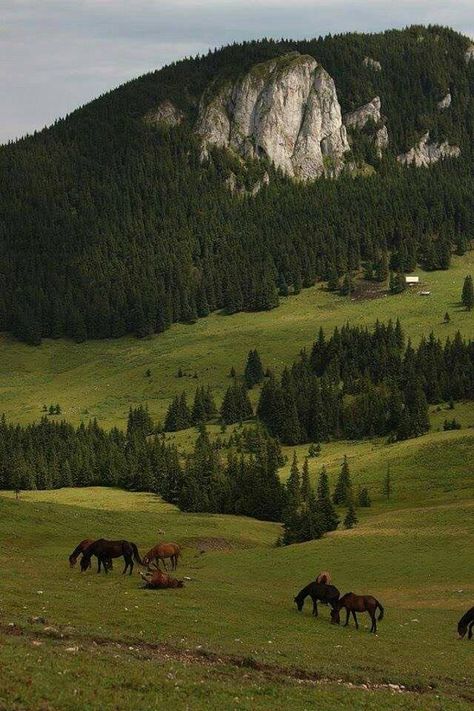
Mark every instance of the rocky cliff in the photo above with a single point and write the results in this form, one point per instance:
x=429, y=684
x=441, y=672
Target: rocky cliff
x=285, y=110
x=426, y=153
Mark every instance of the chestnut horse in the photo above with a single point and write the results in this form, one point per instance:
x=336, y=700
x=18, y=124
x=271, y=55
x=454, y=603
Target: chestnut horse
x=105, y=550
x=80, y=548
x=466, y=621
x=324, y=593
x=162, y=551
x=357, y=603
x=324, y=577
x=161, y=580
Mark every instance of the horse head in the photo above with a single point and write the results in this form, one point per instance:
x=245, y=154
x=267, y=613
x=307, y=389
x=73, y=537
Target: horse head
x=72, y=560
x=299, y=603
x=85, y=563
x=335, y=616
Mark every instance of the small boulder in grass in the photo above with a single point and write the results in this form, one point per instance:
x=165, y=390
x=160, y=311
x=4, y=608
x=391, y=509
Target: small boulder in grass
x=37, y=619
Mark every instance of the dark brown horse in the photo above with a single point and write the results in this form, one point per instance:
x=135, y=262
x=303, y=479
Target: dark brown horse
x=162, y=551
x=105, y=550
x=357, y=603
x=80, y=548
x=159, y=580
x=466, y=622
x=327, y=594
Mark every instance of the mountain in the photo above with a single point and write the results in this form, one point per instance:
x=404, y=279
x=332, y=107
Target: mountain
x=224, y=180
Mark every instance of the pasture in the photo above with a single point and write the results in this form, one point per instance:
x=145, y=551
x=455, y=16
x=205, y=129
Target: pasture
x=232, y=638
x=103, y=378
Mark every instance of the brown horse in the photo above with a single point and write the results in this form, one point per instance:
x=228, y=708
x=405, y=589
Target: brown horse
x=105, y=550
x=327, y=594
x=80, y=548
x=160, y=580
x=466, y=622
x=357, y=603
x=162, y=551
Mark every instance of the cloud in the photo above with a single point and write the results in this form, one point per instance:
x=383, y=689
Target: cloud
x=56, y=54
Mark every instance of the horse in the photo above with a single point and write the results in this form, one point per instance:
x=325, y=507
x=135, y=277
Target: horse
x=317, y=591
x=162, y=551
x=357, y=603
x=80, y=548
x=466, y=622
x=105, y=550
x=160, y=580
x=324, y=577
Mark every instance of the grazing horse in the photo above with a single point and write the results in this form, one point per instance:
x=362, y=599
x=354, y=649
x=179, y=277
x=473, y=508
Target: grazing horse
x=324, y=577
x=466, y=622
x=162, y=551
x=323, y=593
x=161, y=580
x=80, y=548
x=357, y=603
x=105, y=550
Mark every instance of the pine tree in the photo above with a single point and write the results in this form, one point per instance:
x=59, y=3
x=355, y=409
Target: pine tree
x=467, y=296
x=350, y=519
x=364, y=498
x=254, y=373
x=343, y=491
x=323, y=501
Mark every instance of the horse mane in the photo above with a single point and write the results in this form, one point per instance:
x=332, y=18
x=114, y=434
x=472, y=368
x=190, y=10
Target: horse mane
x=467, y=617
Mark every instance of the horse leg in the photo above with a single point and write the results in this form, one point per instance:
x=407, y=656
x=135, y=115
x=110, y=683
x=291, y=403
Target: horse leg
x=355, y=619
x=131, y=565
x=163, y=560
x=469, y=634
x=347, y=617
x=315, y=608
x=126, y=565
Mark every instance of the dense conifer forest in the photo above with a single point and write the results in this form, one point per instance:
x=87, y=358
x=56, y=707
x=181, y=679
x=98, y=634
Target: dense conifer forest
x=112, y=225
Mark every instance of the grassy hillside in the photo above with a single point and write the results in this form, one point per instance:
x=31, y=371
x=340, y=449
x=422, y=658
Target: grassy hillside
x=187, y=647
x=101, y=379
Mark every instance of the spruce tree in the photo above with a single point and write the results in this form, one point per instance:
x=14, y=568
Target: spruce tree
x=254, y=373
x=467, y=295
x=350, y=519
x=364, y=498
x=329, y=516
x=343, y=490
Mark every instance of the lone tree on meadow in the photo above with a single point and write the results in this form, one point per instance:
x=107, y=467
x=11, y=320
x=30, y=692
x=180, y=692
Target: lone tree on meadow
x=254, y=373
x=351, y=517
x=343, y=492
x=467, y=296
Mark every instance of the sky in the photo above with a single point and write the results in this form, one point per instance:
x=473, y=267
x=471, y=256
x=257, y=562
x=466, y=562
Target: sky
x=56, y=55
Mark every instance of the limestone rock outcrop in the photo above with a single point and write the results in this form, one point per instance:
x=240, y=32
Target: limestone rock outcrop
x=165, y=113
x=445, y=102
x=373, y=64
x=359, y=117
x=469, y=54
x=286, y=110
x=425, y=153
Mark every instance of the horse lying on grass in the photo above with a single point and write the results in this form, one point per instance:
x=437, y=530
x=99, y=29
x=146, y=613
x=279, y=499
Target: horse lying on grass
x=80, y=548
x=466, y=622
x=159, y=580
x=162, y=551
x=357, y=603
x=327, y=594
x=106, y=550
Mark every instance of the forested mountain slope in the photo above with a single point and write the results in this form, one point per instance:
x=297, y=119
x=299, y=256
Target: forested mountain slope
x=117, y=219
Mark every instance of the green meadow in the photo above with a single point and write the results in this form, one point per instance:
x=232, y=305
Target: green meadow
x=103, y=378
x=231, y=638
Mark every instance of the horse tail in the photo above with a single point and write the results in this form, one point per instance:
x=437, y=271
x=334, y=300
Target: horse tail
x=136, y=554
x=381, y=610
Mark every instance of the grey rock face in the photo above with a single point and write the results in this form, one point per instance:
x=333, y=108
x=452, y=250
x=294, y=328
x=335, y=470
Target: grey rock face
x=425, y=153
x=359, y=117
x=373, y=64
x=469, y=54
x=165, y=113
x=286, y=110
x=381, y=140
x=445, y=102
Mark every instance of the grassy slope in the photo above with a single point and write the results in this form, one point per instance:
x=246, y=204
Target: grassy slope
x=239, y=602
x=103, y=378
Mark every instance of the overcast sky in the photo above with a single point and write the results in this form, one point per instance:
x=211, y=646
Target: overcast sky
x=58, y=54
